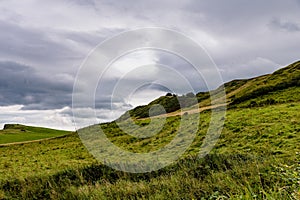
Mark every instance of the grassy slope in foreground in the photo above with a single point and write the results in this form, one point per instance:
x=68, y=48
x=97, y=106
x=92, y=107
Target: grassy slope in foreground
x=257, y=156
x=13, y=133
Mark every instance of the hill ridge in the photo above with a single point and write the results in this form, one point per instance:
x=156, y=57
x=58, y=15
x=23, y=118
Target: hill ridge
x=237, y=92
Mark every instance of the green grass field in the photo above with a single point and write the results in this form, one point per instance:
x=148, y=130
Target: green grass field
x=257, y=156
x=19, y=133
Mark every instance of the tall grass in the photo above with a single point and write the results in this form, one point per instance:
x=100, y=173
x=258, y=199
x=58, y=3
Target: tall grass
x=216, y=176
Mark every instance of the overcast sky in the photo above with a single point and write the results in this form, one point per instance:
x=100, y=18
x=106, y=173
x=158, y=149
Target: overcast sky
x=43, y=44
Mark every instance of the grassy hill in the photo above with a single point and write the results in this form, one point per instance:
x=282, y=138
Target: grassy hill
x=256, y=157
x=246, y=93
x=280, y=80
x=170, y=103
x=13, y=133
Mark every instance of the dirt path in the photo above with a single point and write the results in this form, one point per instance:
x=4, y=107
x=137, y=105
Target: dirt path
x=192, y=111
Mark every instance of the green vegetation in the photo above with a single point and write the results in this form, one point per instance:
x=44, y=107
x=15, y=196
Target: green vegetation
x=18, y=133
x=43, y=157
x=215, y=177
x=170, y=103
x=256, y=157
x=291, y=94
x=279, y=80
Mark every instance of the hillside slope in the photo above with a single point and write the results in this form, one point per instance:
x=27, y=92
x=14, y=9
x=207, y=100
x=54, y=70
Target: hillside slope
x=238, y=93
x=280, y=80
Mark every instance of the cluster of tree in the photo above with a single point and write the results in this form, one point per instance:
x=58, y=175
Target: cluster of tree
x=170, y=95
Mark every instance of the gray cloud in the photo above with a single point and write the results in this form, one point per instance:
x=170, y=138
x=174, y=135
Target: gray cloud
x=32, y=46
x=282, y=25
x=22, y=85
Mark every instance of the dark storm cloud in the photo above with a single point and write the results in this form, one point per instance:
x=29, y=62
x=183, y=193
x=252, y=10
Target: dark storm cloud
x=22, y=85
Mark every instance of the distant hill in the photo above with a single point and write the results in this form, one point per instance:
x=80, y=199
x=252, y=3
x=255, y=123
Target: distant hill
x=284, y=82
x=15, y=127
x=17, y=133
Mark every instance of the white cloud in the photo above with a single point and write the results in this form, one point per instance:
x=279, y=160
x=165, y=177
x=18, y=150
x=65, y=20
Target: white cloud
x=47, y=118
x=127, y=63
x=143, y=97
x=252, y=68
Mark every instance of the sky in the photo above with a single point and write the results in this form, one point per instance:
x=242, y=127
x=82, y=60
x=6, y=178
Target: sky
x=44, y=43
